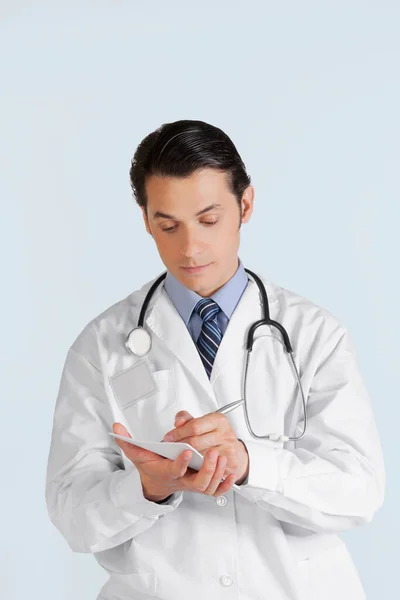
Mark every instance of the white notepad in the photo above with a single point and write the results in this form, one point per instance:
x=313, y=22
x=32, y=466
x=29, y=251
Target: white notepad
x=167, y=449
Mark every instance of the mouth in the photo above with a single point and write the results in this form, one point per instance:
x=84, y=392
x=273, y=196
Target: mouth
x=194, y=270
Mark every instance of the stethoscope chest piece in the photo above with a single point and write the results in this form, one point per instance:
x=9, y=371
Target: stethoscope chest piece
x=139, y=341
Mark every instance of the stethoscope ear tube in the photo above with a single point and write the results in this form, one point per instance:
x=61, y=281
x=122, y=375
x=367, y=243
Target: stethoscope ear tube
x=266, y=320
x=270, y=322
x=148, y=298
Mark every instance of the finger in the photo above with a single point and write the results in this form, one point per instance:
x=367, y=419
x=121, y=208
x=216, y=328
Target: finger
x=197, y=426
x=226, y=485
x=182, y=417
x=119, y=429
x=204, y=442
x=202, y=479
x=179, y=466
x=216, y=478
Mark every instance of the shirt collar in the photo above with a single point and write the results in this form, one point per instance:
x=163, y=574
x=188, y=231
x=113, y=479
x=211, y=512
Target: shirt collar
x=227, y=297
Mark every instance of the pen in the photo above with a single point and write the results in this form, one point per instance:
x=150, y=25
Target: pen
x=228, y=407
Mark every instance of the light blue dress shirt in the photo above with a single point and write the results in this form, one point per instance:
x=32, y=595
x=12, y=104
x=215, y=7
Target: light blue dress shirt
x=227, y=298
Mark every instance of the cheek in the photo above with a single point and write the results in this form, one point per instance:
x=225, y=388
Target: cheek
x=227, y=236
x=164, y=244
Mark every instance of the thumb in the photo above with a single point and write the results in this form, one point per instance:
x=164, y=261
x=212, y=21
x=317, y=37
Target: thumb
x=182, y=417
x=119, y=429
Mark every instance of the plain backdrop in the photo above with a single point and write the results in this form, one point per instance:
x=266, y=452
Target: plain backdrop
x=308, y=91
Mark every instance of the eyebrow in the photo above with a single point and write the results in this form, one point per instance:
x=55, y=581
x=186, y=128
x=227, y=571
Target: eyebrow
x=159, y=214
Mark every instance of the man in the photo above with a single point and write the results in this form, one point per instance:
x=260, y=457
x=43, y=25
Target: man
x=163, y=530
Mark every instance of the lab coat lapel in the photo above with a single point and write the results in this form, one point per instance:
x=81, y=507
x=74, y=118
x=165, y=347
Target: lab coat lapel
x=233, y=343
x=167, y=324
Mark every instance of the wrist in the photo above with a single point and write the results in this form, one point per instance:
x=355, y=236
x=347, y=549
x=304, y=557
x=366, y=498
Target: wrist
x=154, y=492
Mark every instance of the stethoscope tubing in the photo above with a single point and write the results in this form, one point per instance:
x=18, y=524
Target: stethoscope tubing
x=266, y=320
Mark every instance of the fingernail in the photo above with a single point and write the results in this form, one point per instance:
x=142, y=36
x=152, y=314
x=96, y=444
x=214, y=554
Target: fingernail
x=167, y=437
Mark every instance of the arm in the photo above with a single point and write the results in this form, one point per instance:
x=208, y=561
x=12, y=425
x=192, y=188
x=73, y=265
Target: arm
x=94, y=502
x=334, y=478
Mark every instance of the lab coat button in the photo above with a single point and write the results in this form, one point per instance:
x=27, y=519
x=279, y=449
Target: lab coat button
x=226, y=580
x=221, y=500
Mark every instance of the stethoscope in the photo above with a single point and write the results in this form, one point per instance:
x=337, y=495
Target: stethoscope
x=139, y=343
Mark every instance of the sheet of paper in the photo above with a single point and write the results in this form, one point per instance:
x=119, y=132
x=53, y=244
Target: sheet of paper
x=167, y=449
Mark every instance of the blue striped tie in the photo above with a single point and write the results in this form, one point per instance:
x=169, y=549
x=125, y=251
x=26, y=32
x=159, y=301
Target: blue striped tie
x=210, y=335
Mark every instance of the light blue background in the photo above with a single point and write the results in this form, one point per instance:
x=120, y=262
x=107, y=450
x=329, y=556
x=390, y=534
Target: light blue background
x=310, y=94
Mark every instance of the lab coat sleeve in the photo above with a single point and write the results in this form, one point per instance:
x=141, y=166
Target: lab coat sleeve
x=94, y=502
x=334, y=477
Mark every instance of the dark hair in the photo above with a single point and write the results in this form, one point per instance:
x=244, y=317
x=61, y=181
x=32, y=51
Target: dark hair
x=179, y=149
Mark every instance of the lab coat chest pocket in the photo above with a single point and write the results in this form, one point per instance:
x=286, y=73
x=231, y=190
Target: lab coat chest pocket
x=149, y=411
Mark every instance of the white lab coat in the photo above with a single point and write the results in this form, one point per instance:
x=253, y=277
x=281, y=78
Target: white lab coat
x=281, y=540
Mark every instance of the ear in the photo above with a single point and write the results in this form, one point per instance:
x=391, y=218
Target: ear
x=146, y=221
x=247, y=203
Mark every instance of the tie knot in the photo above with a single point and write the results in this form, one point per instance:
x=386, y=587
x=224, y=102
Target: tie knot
x=207, y=309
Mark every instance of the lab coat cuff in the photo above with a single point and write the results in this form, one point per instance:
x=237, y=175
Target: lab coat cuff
x=128, y=495
x=263, y=467
x=165, y=501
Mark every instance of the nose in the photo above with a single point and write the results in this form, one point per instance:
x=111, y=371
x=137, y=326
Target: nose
x=190, y=243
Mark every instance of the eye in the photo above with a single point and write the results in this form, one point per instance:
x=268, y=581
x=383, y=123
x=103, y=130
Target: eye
x=170, y=229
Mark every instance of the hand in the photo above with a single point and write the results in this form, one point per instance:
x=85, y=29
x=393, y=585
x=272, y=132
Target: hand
x=212, y=430
x=161, y=476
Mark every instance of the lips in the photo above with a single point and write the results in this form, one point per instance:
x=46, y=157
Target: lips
x=195, y=269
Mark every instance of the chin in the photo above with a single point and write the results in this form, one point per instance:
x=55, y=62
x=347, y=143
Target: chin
x=196, y=284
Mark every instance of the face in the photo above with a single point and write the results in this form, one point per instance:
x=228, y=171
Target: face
x=195, y=223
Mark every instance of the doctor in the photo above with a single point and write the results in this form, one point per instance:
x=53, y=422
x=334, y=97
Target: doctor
x=160, y=529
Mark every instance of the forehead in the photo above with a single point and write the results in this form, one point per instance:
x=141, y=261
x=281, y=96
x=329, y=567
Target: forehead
x=203, y=186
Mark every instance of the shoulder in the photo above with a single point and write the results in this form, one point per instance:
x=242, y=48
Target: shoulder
x=305, y=320
x=114, y=321
x=287, y=300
